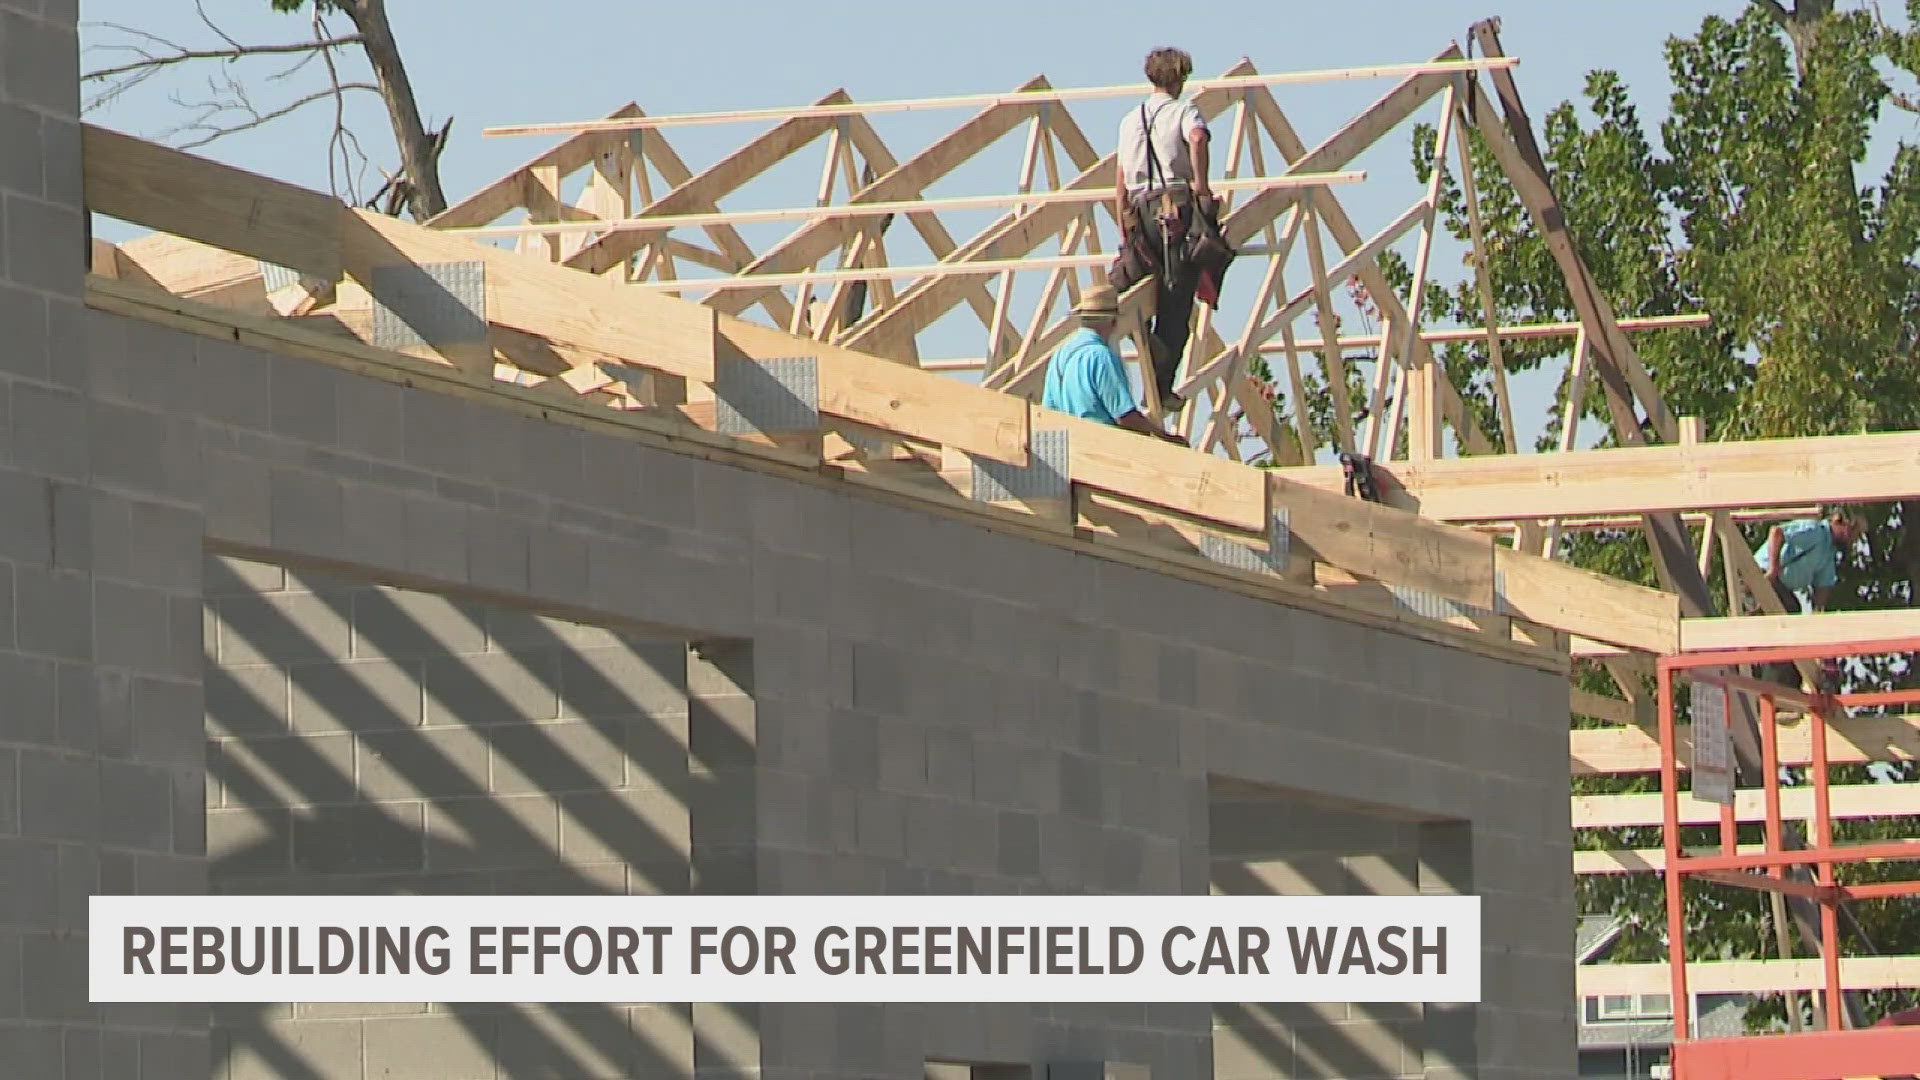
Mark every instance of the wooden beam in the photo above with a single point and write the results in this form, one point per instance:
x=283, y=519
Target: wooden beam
x=504, y=195
x=174, y=192
x=1230, y=82
x=1389, y=545
x=860, y=210
x=1401, y=548
x=1632, y=480
x=703, y=191
x=1639, y=860
x=894, y=397
x=1749, y=976
x=1520, y=331
x=564, y=306
x=1160, y=473
x=1590, y=604
x=1849, y=801
x=1853, y=740
x=1825, y=628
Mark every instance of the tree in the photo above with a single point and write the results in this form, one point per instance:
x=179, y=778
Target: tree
x=414, y=185
x=1746, y=206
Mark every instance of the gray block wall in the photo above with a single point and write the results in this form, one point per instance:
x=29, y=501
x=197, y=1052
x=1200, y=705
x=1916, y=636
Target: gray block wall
x=877, y=700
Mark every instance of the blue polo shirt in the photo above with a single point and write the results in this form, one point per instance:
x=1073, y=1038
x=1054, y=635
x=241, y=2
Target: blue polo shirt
x=1809, y=559
x=1086, y=379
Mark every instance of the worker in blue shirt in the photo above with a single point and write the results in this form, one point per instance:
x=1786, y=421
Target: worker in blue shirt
x=1085, y=378
x=1802, y=559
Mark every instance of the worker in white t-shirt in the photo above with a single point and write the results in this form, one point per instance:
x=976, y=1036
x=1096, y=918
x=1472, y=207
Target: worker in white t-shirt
x=1162, y=174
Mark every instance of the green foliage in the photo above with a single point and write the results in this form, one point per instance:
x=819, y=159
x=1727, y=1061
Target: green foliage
x=1745, y=206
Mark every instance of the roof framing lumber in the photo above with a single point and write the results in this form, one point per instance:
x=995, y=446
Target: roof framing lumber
x=1227, y=82
x=1853, y=740
x=1849, y=801
x=1750, y=976
x=1824, y=628
x=1635, y=480
x=177, y=192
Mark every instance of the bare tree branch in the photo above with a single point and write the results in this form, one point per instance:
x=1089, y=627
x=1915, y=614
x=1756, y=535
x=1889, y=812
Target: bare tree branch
x=185, y=55
x=255, y=118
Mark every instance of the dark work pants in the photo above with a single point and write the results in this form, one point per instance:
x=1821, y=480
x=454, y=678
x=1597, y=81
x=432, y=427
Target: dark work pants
x=1787, y=674
x=1173, y=287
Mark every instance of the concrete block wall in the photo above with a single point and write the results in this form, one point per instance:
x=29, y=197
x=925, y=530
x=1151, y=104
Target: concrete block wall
x=879, y=699
x=99, y=599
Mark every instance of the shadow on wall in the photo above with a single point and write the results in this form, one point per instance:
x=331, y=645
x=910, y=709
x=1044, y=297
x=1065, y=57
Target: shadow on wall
x=371, y=740
x=1270, y=842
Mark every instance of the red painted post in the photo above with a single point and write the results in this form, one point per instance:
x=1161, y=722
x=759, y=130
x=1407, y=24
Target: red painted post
x=1670, y=838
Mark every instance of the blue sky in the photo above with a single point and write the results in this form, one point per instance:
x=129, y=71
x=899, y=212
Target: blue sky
x=489, y=62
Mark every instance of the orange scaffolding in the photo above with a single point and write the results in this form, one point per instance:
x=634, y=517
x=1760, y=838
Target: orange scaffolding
x=1834, y=1054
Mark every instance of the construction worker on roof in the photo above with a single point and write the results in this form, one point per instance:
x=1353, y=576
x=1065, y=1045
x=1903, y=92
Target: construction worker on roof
x=1161, y=182
x=1802, y=560
x=1085, y=377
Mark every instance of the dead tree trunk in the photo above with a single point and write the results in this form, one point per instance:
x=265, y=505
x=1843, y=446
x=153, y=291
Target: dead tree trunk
x=419, y=148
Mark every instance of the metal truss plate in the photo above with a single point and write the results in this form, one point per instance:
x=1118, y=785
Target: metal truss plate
x=430, y=304
x=767, y=396
x=1044, y=477
x=277, y=277
x=1239, y=556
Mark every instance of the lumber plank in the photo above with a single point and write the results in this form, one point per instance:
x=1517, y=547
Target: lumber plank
x=503, y=195
x=1639, y=860
x=894, y=397
x=594, y=315
x=179, y=193
x=703, y=191
x=1850, y=741
x=1819, y=628
x=1632, y=480
x=1160, y=473
x=1389, y=545
x=1586, y=603
x=1849, y=801
x=1750, y=976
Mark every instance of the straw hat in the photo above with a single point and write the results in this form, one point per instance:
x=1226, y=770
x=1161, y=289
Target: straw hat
x=1098, y=299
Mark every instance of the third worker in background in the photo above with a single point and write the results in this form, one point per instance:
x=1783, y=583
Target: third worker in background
x=1162, y=201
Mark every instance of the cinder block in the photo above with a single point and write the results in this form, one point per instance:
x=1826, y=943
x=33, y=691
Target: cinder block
x=361, y=838
x=53, y=612
x=663, y=1037
x=638, y=825
x=436, y=538
x=903, y=757
x=44, y=239
x=357, y=695
x=499, y=550
x=238, y=502
x=303, y=400
x=492, y=833
x=459, y=1047
x=26, y=525
x=878, y=685
x=404, y=624
x=626, y=679
x=282, y=629
x=950, y=763
x=1019, y=845
x=429, y=763
x=32, y=1049
x=491, y=689
x=59, y=795
x=249, y=842
x=136, y=803
x=131, y=627
x=1359, y=1049
x=557, y=757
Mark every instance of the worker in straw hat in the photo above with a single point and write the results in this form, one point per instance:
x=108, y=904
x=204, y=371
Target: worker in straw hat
x=1085, y=377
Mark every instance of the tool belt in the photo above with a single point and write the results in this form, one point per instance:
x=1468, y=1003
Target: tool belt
x=1166, y=230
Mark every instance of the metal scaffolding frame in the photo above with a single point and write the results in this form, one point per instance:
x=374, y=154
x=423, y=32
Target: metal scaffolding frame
x=1834, y=1054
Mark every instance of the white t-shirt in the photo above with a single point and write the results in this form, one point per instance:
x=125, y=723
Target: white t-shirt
x=1171, y=121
